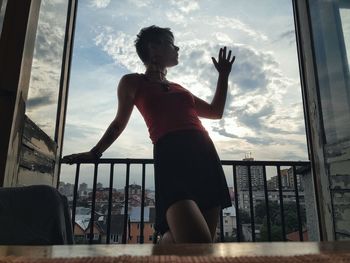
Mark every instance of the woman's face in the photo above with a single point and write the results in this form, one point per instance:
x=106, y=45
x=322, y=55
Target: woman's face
x=166, y=53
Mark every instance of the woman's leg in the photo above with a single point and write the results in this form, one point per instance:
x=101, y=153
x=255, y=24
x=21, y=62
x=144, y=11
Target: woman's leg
x=167, y=238
x=211, y=216
x=187, y=223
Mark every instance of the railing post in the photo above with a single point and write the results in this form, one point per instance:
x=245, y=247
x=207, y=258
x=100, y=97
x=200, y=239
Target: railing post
x=93, y=199
x=222, y=237
x=268, y=222
x=142, y=203
x=251, y=202
x=126, y=203
x=110, y=198
x=281, y=202
x=238, y=221
x=297, y=204
x=75, y=194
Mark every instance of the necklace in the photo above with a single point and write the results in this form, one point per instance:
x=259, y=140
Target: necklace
x=164, y=83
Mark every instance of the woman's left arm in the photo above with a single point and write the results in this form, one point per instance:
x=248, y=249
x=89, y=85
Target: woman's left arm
x=215, y=109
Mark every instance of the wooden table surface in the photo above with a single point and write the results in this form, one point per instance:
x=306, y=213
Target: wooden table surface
x=217, y=249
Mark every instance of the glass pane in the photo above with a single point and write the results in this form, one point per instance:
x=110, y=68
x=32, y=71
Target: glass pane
x=2, y=12
x=345, y=21
x=42, y=100
x=330, y=26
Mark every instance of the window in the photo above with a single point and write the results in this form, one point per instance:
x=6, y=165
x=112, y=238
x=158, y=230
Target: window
x=41, y=106
x=267, y=66
x=114, y=238
x=329, y=23
x=95, y=236
x=345, y=21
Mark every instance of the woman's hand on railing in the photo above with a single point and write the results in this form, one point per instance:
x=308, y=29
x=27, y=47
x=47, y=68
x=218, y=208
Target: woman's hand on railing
x=80, y=157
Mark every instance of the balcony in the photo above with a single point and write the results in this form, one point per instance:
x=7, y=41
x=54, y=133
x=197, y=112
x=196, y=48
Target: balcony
x=268, y=203
x=322, y=51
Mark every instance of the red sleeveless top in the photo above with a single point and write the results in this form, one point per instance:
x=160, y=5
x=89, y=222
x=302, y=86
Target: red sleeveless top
x=167, y=111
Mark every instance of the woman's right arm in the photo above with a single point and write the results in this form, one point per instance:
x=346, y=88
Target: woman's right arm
x=126, y=94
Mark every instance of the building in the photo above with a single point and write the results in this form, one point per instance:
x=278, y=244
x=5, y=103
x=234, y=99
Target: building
x=82, y=226
x=287, y=180
x=83, y=187
x=288, y=195
x=135, y=189
x=229, y=223
x=272, y=183
x=256, y=172
x=134, y=225
x=100, y=229
x=66, y=189
x=116, y=229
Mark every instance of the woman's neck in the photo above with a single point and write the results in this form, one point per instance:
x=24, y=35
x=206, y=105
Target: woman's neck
x=155, y=72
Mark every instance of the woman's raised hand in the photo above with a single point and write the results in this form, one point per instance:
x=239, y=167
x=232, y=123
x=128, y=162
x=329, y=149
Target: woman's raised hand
x=80, y=157
x=224, y=63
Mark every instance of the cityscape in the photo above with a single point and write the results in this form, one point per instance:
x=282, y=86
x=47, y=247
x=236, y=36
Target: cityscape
x=84, y=202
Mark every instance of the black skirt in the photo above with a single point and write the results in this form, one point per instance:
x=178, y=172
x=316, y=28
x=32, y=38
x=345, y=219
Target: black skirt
x=187, y=166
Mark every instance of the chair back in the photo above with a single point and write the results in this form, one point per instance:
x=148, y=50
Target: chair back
x=34, y=215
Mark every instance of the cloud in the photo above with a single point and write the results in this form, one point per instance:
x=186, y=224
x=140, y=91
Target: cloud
x=54, y=2
x=261, y=114
x=255, y=100
x=39, y=102
x=120, y=46
x=254, y=119
x=222, y=22
x=176, y=17
x=185, y=6
x=141, y=3
x=81, y=132
x=99, y=3
x=224, y=133
x=41, y=105
x=222, y=37
x=288, y=36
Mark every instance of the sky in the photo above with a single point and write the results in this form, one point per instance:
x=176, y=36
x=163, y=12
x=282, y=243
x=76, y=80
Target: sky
x=263, y=114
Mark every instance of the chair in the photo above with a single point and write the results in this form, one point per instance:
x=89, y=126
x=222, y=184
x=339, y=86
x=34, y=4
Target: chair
x=34, y=215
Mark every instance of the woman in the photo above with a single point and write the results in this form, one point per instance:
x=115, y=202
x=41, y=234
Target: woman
x=189, y=181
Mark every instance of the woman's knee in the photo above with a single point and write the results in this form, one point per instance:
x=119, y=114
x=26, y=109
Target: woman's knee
x=187, y=223
x=167, y=238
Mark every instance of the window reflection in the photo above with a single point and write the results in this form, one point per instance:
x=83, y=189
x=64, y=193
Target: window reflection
x=330, y=23
x=2, y=12
x=345, y=21
x=46, y=68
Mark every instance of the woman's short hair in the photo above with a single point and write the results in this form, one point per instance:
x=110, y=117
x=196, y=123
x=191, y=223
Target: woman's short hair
x=151, y=34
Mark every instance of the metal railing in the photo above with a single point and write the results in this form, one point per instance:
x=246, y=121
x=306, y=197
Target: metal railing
x=294, y=166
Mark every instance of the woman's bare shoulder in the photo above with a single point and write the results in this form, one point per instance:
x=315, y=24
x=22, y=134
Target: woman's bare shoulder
x=129, y=83
x=131, y=79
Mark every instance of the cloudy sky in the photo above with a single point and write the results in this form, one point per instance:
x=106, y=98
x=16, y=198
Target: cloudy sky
x=263, y=114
